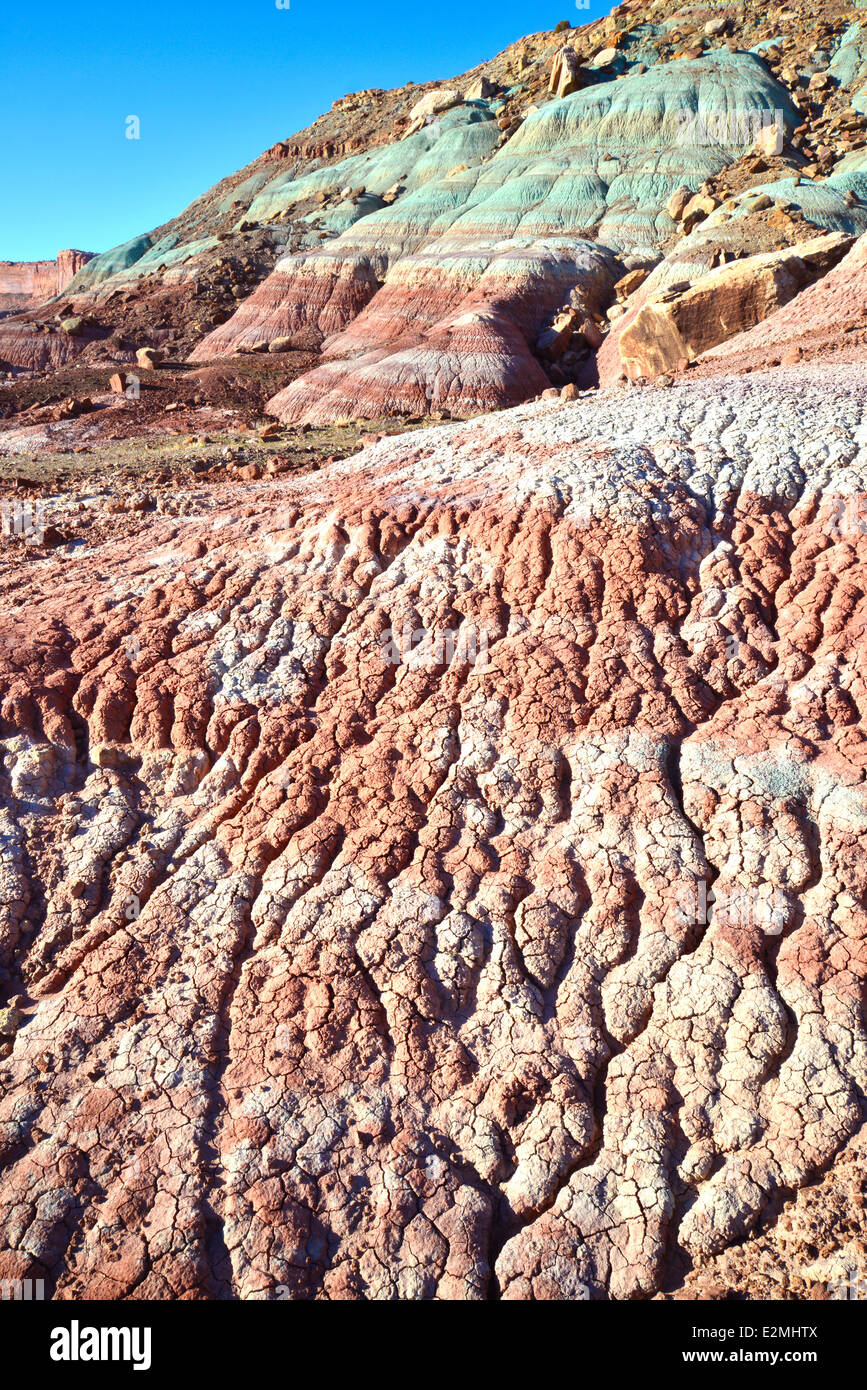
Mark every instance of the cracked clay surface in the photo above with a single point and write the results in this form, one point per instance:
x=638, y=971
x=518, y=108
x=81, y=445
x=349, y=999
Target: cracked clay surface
x=520, y=958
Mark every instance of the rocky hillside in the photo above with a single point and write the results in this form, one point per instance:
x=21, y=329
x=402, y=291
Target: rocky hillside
x=377, y=234
x=432, y=849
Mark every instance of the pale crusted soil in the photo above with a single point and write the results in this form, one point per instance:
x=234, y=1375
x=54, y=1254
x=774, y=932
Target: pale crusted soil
x=341, y=976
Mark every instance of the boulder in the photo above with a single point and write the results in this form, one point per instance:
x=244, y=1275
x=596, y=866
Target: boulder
x=148, y=358
x=432, y=103
x=592, y=334
x=680, y=324
x=769, y=140
x=567, y=74
x=481, y=89
x=554, y=340
x=700, y=206
x=677, y=202
x=52, y=537
x=69, y=408
x=630, y=282
x=756, y=202
x=818, y=321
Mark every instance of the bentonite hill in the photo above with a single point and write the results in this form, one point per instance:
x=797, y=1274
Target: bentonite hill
x=433, y=686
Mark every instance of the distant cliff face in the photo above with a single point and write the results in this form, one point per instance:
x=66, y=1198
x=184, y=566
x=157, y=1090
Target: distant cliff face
x=68, y=264
x=25, y=284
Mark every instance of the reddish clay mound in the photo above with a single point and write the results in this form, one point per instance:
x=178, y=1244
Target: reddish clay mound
x=447, y=869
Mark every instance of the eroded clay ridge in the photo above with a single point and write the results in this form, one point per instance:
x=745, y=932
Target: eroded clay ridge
x=443, y=876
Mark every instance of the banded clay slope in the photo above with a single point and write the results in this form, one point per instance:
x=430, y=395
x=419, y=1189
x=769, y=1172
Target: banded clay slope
x=471, y=267
x=175, y=283
x=343, y=970
x=374, y=205
x=443, y=299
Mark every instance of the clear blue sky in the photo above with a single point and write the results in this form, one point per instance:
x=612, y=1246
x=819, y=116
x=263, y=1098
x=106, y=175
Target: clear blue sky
x=213, y=86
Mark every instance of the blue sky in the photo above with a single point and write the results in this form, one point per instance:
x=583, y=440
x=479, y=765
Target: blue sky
x=213, y=85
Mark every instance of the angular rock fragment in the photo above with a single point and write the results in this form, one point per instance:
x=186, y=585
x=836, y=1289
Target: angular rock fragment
x=684, y=323
x=566, y=72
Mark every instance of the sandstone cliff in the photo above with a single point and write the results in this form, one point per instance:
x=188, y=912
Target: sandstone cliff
x=26, y=283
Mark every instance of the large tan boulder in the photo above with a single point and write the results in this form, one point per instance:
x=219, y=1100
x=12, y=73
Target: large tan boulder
x=699, y=206
x=817, y=322
x=677, y=202
x=481, y=89
x=567, y=74
x=440, y=99
x=770, y=140
x=630, y=282
x=148, y=358
x=678, y=325
x=555, y=339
